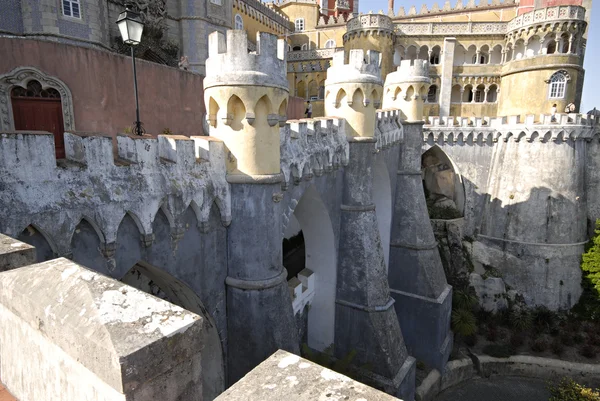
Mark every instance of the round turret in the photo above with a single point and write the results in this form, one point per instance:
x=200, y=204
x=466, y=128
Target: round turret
x=372, y=32
x=353, y=90
x=246, y=96
x=406, y=89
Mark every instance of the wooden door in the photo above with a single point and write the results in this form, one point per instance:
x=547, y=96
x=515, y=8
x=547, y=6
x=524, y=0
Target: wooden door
x=35, y=112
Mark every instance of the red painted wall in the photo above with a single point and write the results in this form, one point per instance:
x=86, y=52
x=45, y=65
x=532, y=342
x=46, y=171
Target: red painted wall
x=528, y=5
x=101, y=83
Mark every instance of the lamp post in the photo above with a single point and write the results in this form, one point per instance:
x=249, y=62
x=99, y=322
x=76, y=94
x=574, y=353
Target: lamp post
x=131, y=27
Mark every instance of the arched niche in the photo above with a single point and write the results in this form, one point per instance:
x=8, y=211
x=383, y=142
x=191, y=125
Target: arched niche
x=33, y=236
x=382, y=197
x=86, y=245
x=312, y=218
x=442, y=182
x=161, y=284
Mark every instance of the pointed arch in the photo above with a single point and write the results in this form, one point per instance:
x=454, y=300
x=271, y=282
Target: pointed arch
x=87, y=243
x=213, y=111
x=236, y=111
x=340, y=97
x=442, y=180
x=33, y=235
x=358, y=97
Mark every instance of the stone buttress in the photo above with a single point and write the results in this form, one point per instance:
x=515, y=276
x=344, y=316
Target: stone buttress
x=416, y=275
x=366, y=322
x=246, y=96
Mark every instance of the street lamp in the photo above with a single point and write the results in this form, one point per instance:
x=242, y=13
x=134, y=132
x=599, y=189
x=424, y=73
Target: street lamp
x=131, y=27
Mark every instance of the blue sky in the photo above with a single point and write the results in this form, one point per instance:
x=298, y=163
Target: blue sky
x=591, y=88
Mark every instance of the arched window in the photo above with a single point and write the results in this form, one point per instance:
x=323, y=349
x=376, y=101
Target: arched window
x=299, y=24
x=239, y=22
x=305, y=47
x=330, y=44
x=551, y=49
x=558, y=84
x=480, y=94
x=297, y=48
x=432, y=94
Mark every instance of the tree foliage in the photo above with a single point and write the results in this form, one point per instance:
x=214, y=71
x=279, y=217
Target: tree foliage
x=568, y=390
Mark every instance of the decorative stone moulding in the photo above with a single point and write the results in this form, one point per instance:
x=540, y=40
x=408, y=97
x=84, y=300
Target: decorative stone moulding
x=550, y=14
x=370, y=21
x=388, y=130
x=563, y=128
x=312, y=147
x=450, y=28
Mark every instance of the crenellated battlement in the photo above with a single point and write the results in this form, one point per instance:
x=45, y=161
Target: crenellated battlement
x=311, y=147
x=477, y=130
x=408, y=72
x=388, y=128
x=362, y=67
x=447, y=8
x=229, y=63
x=145, y=173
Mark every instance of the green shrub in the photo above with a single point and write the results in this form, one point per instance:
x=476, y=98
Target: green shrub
x=588, y=307
x=464, y=299
x=543, y=318
x=499, y=350
x=568, y=390
x=464, y=322
x=520, y=319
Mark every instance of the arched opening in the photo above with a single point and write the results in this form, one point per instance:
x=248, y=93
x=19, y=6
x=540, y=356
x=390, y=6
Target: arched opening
x=161, y=284
x=398, y=55
x=492, y=95
x=432, y=94
x=237, y=110
x=480, y=93
x=459, y=55
x=519, y=51
x=564, y=40
x=455, y=96
x=424, y=53
x=239, y=22
x=411, y=54
x=86, y=245
x=551, y=47
x=484, y=55
x=340, y=98
x=471, y=56
x=330, y=44
x=435, y=55
x=467, y=96
x=509, y=52
x=297, y=48
x=410, y=92
x=382, y=197
x=313, y=284
x=533, y=46
x=558, y=85
x=34, y=237
x=496, y=55
x=39, y=109
x=443, y=186
x=358, y=98
x=262, y=110
x=313, y=90
x=213, y=112
x=322, y=89
x=301, y=89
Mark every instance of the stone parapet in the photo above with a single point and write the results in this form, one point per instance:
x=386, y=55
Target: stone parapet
x=312, y=147
x=362, y=67
x=14, y=253
x=272, y=379
x=545, y=15
x=388, y=129
x=69, y=334
x=147, y=174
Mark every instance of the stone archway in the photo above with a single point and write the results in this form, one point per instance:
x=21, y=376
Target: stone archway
x=443, y=185
x=314, y=288
x=161, y=284
x=382, y=197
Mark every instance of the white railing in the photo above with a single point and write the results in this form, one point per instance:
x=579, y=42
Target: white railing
x=547, y=14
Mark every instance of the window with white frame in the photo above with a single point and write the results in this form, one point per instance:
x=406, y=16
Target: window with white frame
x=330, y=44
x=239, y=22
x=299, y=24
x=71, y=8
x=558, y=84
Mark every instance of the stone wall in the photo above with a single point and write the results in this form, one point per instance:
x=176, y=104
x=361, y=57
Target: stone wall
x=101, y=84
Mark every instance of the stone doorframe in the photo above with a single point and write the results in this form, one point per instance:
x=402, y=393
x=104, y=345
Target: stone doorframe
x=20, y=76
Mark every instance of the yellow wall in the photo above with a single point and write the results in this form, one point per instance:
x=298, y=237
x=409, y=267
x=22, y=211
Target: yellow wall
x=374, y=41
x=254, y=24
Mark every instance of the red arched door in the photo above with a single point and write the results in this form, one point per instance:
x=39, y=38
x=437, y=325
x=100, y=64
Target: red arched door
x=37, y=109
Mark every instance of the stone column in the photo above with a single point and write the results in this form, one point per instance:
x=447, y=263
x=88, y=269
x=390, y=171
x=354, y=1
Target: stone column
x=447, y=61
x=416, y=276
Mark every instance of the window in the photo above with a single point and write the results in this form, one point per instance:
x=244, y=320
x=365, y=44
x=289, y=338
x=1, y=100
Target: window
x=239, y=22
x=71, y=8
x=217, y=2
x=482, y=58
x=305, y=47
x=330, y=44
x=299, y=24
x=435, y=59
x=432, y=94
x=558, y=83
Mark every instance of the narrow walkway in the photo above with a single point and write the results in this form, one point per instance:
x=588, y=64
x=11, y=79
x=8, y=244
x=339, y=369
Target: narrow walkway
x=497, y=388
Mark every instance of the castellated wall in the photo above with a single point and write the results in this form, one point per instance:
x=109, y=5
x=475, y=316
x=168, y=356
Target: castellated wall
x=101, y=83
x=531, y=195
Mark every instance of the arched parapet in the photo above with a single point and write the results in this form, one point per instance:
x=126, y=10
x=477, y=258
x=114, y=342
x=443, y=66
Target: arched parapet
x=310, y=147
x=20, y=77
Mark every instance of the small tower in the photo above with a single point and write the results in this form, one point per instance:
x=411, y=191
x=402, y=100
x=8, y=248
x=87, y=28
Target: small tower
x=372, y=32
x=246, y=95
x=353, y=90
x=406, y=89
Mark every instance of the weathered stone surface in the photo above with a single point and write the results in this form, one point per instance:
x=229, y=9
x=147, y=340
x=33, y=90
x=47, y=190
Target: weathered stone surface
x=286, y=376
x=69, y=333
x=14, y=253
x=490, y=291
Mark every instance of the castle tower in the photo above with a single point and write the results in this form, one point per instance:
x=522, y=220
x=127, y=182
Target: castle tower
x=246, y=95
x=365, y=318
x=416, y=275
x=372, y=32
x=406, y=89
